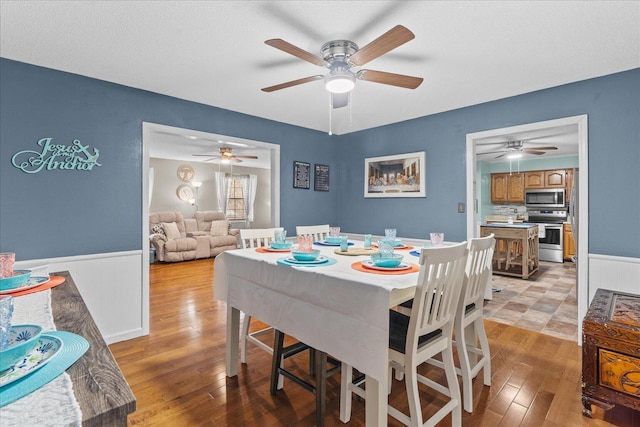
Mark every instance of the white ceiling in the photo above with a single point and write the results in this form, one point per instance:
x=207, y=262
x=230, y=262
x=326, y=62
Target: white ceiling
x=213, y=52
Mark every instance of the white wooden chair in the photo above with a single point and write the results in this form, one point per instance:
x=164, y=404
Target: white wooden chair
x=319, y=232
x=425, y=333
x=254, y=238
x=469, y=319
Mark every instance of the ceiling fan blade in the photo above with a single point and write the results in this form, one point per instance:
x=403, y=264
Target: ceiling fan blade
x=503, y=154
x=532, y=151
x=490, y=152
x=296, y=51
x=203, y=155
x=292, y=83
x=245, y=157
x=390, y=40
x=400, y=80
x=339, y=100
x=542, y=148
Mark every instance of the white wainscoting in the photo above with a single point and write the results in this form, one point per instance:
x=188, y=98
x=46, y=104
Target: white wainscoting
x=613, y=273
x=111, y=286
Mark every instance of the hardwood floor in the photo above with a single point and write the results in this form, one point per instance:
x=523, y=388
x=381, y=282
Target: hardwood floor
x=177, y=372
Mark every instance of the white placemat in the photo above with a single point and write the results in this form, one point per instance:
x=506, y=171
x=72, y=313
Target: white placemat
x=54, y=404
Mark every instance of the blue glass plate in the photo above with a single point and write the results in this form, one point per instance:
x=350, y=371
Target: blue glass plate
x=415, y=253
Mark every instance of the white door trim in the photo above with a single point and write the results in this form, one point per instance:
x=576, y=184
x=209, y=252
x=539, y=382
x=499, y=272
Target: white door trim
x=582, y=288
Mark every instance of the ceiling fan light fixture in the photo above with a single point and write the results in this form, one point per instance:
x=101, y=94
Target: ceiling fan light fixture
x=340, y=79
x=514, y=156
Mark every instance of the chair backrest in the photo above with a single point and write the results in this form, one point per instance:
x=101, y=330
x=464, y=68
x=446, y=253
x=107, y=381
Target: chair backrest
x=477, y=271
x=257, y=237
x=437, y=291
x=319, y=232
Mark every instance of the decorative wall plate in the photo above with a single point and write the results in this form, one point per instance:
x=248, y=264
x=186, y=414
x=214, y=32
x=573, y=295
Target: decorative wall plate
x=186, y=173
x=184, y=192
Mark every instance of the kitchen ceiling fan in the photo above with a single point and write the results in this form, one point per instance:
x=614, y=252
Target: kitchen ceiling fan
x=343, y=59
x=226, y=155
x=515, y=147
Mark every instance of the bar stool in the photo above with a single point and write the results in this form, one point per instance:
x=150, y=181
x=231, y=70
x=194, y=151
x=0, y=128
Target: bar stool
x=317, y=366
x=500, y=252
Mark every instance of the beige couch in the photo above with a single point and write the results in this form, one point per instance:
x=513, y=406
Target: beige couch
x=176, y=238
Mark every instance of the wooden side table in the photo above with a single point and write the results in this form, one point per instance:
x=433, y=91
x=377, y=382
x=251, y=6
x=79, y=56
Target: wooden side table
x=611, y=351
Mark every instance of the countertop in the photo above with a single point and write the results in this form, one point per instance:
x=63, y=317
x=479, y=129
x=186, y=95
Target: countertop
x=515, y=225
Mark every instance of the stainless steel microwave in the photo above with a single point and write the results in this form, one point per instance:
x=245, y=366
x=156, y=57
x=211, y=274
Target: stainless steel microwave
x=545, y=198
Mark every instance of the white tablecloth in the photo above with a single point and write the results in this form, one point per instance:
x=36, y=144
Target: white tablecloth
x=334, y=308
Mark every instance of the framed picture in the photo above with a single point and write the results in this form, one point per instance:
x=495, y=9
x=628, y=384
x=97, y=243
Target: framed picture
x=320, y=177
x=301, y=174
x=400, y=175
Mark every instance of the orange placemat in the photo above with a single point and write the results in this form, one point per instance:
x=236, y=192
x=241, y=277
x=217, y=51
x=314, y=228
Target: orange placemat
x=358, y=266
x=266, y=251
x=53, y=281
x=407, y=248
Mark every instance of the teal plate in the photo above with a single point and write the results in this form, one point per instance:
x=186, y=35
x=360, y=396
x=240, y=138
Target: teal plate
x=74, y=346
x=294, y=263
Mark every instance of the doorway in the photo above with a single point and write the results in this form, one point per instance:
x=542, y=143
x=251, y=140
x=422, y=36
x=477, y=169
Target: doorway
x=148, y=130
x=473, y=219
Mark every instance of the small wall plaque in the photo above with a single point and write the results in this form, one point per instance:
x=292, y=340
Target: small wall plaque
x=301, y=175
x=321, y=177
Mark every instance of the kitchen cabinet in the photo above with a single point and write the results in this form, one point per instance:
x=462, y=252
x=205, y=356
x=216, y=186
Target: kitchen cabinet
x=507, y=187
x=545, y=179
x=568, y=245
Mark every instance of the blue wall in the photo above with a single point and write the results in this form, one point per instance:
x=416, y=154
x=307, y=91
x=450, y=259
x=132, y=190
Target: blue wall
x=612, y=104
x=61, y=213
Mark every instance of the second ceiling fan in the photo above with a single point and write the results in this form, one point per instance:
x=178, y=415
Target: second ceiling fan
x=226, y=155
x=342, y=57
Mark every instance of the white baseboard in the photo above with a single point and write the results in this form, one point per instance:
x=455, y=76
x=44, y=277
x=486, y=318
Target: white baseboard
x=110, y=285
x=613, y=273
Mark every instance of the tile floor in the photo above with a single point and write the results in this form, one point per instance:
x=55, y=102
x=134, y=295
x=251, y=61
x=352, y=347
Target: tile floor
x=545, y=303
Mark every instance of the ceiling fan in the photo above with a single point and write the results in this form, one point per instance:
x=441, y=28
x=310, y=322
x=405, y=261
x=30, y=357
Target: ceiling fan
x=515, y=147
x=226, y=155
x=342, y=58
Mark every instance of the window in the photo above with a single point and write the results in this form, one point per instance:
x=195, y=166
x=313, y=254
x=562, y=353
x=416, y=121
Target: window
x=236, y=201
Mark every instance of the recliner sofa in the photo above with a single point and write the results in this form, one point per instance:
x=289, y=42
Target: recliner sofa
x=176, y=238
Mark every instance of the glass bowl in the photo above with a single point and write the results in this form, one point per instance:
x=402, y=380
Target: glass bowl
x=333, y=240
x=388, y=261
x=306, y=256
x=22, y=339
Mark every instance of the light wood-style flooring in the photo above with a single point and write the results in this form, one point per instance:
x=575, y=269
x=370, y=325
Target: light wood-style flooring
x=177, y=372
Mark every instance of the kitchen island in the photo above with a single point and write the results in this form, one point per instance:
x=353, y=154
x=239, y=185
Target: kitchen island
x=516, y=251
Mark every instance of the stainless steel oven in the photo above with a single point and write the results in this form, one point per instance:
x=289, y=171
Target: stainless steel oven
x=550, y=233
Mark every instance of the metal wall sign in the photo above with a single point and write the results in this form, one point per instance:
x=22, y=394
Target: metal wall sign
x=74, y=156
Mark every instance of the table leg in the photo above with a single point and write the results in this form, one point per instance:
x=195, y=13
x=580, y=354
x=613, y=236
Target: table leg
x=375, y=403
x=233, y=339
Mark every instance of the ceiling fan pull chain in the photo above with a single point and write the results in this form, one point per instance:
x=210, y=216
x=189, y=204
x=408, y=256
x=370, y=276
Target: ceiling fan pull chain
x=330, y=108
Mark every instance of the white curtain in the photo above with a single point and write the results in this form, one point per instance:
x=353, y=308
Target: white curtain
x=223, y=185
x=251, y=198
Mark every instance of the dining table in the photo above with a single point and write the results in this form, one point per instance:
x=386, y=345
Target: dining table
x=338, y=306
